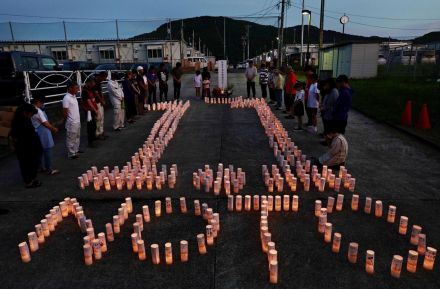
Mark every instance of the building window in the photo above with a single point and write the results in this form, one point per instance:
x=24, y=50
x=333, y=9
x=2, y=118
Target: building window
x=59, y=54
x=107, y=53
x=155, y=53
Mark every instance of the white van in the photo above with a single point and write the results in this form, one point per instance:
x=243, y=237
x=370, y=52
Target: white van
x=203, y=62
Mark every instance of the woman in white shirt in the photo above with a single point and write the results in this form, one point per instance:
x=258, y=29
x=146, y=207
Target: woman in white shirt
x=313, y=104
x=198, y=82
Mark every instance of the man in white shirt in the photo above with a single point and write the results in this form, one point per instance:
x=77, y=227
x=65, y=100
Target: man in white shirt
x=251, y=73
x=73, y=121
x=116, y=96
x=313, y=104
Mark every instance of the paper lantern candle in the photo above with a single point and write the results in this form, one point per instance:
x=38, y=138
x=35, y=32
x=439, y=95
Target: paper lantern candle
x=416, y=230
x=403, y=225
x=88, y=255
x=411, y=263
x=201, y=243
x=368, y=202
x=328, y=233
x=354, y=202
x=369, y=262
x=184, y=251
x=116, y=225
x=146, y=213
x=168, y=253
x=142, y=255
x=24, y=252
x=330, y=204
x=97, y=249
x=428, y=262
x=378, y=209
x=421, y=247
x=353, y=252
x=317, y=208
x=209, y=235
x=295, y=203
x=273, y=268
x=33, y=241
x=391, y=214
x=157, y=208
x=109, y=232
x=396, y=266
x=103, y=242
x=339, y=202
x=155, y=256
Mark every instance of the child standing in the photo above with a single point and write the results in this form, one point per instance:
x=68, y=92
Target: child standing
x=298, y=104
x=313, y=104
x=206, y=85
x=198, y=82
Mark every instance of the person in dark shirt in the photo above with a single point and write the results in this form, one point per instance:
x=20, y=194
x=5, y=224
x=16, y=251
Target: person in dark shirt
x=100, y=102
x=152, y=79
x=142, y=84
x=130, y=91
x=27, y=144
x=177, y=79
x=163, y=82
x=342, y=104
x=88, y=98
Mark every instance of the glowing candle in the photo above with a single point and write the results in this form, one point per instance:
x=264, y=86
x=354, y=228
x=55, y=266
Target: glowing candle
x=168, y=254
x=421, y=247
x=321, y=184
x=369, y=262
x=266, y=239
x=295, y=203
x=168, y=206
x=306, y=183
x=403, y=225
x=278, y=203
x=272, y=255
x=155, y=256
x=201, y=243
x=64, y=209
x=109, y=232
x=273, y=268
x=328, y=233
x=416, y=230
x=368, y=202
x=270, y=203
x=378, y=209
x=322, y=220
x=256, y=202
x=24, y=252
x=354, y=202
x=97, y=249
x=230, y=203
x=411, y=263
x=183, y=208
x=142, y=254
x=134, y=245
x=247, y=203
x=353, y=252
x=91, y=233
x=428, y=262
x=140, y=221
x=118, y=183
x=197, y=210
x=209, y=235
x=81, y=183
x=116, y=224
x=33, y=241
x=129, y=204
x=317, y=208
x=102, y=241
x=391, y=214
x=158, y=183
x=88, y=256
x=121, y=216
x=50, y=222
x=330, y=204
x=157, y=208
x=138, y=183
x=337, y=184
x=146, y=213
x=339, y=202
x=40, y=234
x=286, y=203
x=396, y=266
x=238, y=203
x=351, y=184
x=106, y=185
x=45, y=227
x=184, y=251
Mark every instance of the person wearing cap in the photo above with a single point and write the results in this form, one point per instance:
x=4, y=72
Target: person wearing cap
x=44, y=130
x=142, y=82
x=27, y=144
x=73, y=121
x=100, y=102
x=250, y=73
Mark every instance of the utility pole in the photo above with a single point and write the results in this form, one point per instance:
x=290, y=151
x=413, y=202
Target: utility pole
x=118, y=52
x=200, y=45
x=181, y=41
x=321, y=25
x=247, y=40
x=12, y=32
x=192, y=45
x=302, y=35
x=224, y=37
x=280, y=34
x=65, y=40
x=243, y=42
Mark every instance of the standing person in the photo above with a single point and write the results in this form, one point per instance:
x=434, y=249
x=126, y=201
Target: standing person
x=130, y=90
x=88, y=101
x=250, y=73
x=163, y=82
x=313, y=104
x=264, y=80
x=152, y=79
x=289, y=89
x=44, y=131
x=207, y=87
x=100, y=102
x=73, y=121
x=342, y=105
x=279, y=83
x=198, y=82
x=27, y=144
x=308, y=71
x=116, y=96
x=271, y=85
x=177, y=79
x=331, y=94
x=142, y=83
x=298, y=105
x=206, y=76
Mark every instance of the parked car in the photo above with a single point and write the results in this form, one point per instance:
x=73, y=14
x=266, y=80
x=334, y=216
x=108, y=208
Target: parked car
x=78, y=65
x=12, y=66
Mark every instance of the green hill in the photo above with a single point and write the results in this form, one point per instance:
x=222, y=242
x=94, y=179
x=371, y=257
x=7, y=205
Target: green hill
x=262, y=37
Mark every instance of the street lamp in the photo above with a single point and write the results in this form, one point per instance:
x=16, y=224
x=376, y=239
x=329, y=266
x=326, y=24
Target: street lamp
x=309, y=13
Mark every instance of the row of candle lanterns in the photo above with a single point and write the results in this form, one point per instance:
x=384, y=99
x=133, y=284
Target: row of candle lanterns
x=46, y=227
x=141, y=171
x=160, y=106
x=232, y=180
x=274, y=203
x=217, y=100
x=203, y=210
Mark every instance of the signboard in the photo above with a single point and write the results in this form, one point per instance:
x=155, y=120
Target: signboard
x=222, y=74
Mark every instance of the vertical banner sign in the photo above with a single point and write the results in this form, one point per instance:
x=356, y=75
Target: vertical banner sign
x=222, y=74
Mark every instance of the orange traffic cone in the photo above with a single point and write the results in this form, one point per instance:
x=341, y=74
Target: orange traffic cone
x=424, y=122
x=407, y=114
